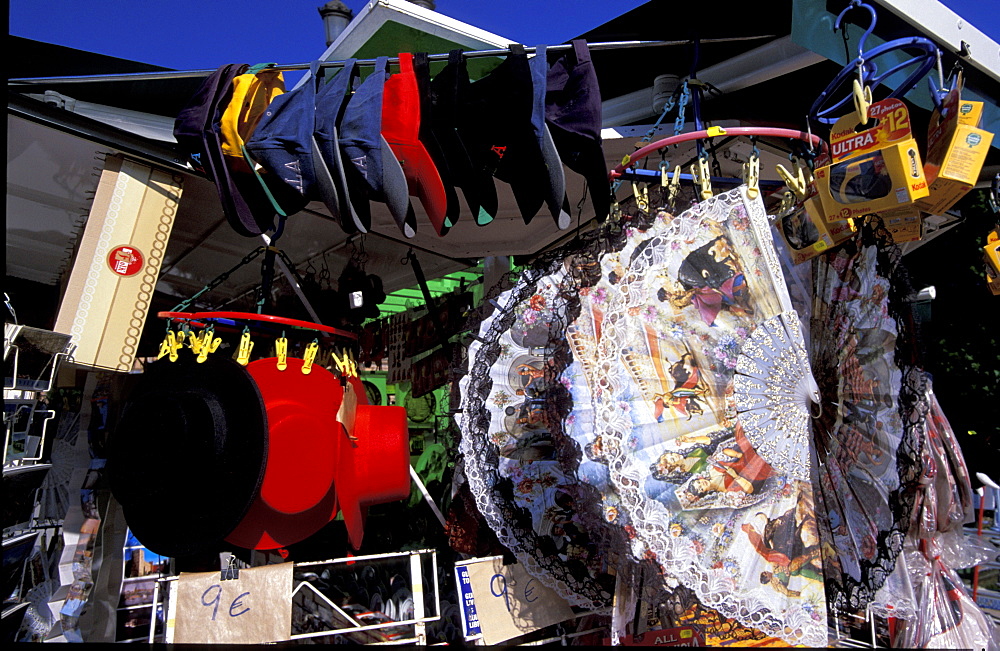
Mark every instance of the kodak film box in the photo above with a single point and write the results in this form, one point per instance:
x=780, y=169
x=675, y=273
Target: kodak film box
x=114, y=274
x=872, y=170
x=991, y=256
x=904, y=223
x=956, y=151
x=807, y=233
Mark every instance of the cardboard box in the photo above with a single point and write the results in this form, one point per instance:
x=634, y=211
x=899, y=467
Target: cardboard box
x=871, y=170
x=904, y=223
x=956, y=151
x=116, y=268
x=991, y=256
x=969, y=113
x=807, y=233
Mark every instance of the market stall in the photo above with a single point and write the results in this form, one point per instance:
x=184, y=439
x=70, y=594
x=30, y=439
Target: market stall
x=471, y=346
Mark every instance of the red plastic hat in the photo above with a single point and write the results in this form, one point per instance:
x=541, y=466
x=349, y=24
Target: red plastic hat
x=297, y=497
x=401, y=129
x=375, y=468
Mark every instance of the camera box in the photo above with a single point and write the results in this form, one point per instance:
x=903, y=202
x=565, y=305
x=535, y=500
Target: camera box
x=904, y=223
x=991, y=256
x=956, y=151
x=807, y=233
x=871, y=170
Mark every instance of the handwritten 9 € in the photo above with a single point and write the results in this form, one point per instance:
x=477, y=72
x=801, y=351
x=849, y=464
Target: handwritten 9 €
x=213, y=602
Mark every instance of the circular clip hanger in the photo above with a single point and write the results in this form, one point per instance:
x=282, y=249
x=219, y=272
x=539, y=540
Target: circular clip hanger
x=256, y=321
x=827, y=111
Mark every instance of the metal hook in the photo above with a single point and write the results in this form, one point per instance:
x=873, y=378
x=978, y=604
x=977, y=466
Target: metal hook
x=871, y=26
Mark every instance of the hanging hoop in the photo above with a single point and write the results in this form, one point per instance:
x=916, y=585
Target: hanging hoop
x=715, y=132
x=239, y=320
x=867, y=70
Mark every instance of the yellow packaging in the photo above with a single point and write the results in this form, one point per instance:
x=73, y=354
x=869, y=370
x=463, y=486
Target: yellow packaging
x=904, y=223
x=969, y=113
x=807, y=233
x=956, y=151
x=872, y=170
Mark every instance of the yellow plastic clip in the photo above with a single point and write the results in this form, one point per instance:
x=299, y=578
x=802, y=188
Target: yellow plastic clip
x=714, y=132
x=751, y=172
x=626, y=159
x=309, y=357
x=807, y=173
x=208, y=346
x=195, y=342
x=169, y=346
x=281, y=348
x=862, y=101
x=674, y=189
x=787, y=202
x=796, y=183
x=664, y=177
x=246, y=346
x=641, y=197
x=703, y=178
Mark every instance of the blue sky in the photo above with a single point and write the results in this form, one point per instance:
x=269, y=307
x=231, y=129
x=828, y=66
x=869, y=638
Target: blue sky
x=204, y=34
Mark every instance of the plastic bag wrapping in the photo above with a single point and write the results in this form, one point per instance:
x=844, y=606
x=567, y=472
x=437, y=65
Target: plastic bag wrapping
x=962, y=550
x=944, y=495
x=896, y=597
x=953, y=485
x=946, y=617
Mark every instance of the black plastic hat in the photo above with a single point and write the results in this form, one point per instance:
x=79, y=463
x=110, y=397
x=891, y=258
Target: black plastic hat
x=188, y=456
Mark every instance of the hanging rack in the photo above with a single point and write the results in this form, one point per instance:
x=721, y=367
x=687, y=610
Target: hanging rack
x=866, y=70
x=180, y=74
x=715, y=132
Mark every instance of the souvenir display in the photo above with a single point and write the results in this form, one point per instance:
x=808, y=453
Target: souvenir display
x=866, y=436
x=701, y=416
x=519, y=464
x=703, y=411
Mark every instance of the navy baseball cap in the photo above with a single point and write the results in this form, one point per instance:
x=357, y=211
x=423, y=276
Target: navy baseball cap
x=331, y=100
x=373, y=174
x=197, y=130
x=573, y=113
x=497, y=129
x=555, y=200
x=281, y=141
x=201, y=111
x=447, y=93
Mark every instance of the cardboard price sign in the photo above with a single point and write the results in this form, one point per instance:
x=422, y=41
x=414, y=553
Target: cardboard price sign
x=510, y=602
x=254, y=608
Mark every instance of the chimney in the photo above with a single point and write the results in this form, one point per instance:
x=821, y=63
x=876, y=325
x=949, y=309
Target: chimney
x=336, y=15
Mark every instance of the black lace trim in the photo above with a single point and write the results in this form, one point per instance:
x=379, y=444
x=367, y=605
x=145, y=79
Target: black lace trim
x=605, y=544
x=844, y=592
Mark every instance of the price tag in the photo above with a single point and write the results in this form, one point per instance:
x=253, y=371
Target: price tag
x=255, y=608
x=510, y=602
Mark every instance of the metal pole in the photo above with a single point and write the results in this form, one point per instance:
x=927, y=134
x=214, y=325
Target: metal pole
x=417, y=590
x=180, y=74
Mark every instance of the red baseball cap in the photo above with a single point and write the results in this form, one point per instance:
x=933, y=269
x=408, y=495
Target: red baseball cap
x=401, y=129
